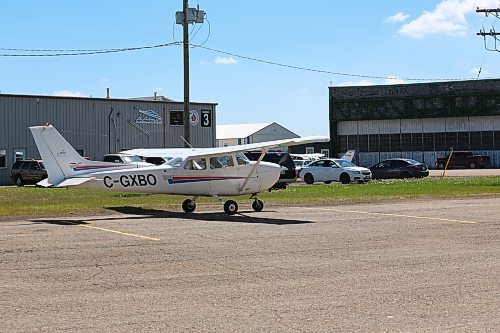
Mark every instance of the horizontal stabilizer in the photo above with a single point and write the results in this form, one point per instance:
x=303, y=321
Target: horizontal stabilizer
x=74, y=181
x=44, y=183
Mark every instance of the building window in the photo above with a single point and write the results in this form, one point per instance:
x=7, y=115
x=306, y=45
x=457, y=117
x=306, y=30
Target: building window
x=417, y=141
x=487, y=140
x=463, y=141
x=475, y=140
x=406, y=142
x=496, y=140
x=342, y=143
x=440, y=141
x=176, y=118
x=309, y=150
x=19, y=154
x=451, y=140
x=325, y=152
x=363, y=143
x=352, y=143
x=428, y=142
x=373, y=143
x=3, y=162
x=395, y=142
x=385, y=143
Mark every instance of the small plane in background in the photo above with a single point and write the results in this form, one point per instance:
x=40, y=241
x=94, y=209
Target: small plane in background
x=348, y=156
x=214, y=172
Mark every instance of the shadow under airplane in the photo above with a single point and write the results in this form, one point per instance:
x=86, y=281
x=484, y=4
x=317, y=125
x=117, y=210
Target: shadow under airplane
x=141, y=213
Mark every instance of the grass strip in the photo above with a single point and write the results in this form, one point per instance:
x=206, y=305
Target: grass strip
x=33, y=201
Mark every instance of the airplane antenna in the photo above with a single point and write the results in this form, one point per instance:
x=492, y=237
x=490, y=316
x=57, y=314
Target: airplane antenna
x=186, y=142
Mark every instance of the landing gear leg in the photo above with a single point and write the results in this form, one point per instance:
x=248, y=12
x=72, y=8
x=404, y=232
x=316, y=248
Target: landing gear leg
x=257, y=204
x=189, y=205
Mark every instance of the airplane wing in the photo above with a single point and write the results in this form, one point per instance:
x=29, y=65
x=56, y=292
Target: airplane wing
x=218, y=151
x=209, y=152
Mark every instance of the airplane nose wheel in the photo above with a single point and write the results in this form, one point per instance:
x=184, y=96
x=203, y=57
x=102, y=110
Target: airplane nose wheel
x=257, y=205
x=230, y=207
x=188, y=206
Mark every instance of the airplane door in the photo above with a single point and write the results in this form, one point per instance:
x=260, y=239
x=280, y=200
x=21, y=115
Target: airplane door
x=224, y=177
x=192, y=178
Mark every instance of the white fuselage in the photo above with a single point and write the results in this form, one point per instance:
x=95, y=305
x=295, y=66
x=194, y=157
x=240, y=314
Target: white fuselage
x=225, y=181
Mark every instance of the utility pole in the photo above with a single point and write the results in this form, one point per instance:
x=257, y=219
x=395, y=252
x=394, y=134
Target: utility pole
x=187, y=16
x=492, y=33
x=185, y=30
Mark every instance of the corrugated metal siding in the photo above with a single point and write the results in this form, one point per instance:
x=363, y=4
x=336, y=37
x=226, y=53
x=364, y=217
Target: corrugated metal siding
x=368, y=127
x=347, y=127
x=391, y=126
x=459, y=124
x=433, y=125
x=411, y=125
x=96, y=126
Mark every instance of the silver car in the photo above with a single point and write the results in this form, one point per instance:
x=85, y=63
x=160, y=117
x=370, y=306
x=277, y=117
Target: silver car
x=337, y=170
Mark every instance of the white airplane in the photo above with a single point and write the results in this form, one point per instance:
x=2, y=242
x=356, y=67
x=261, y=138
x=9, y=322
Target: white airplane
x=215, y=172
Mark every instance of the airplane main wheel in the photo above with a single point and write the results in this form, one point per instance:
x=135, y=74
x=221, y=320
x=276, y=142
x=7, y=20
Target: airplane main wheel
x=188, y=206
x=258, y=205
x=230, y=207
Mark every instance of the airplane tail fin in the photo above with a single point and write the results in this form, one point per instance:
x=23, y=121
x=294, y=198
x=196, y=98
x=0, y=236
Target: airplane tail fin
x=61, y=160
x=349, y=155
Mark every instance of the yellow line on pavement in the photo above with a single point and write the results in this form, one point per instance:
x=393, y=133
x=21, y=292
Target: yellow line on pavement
x=387, y=214
x=119, y=232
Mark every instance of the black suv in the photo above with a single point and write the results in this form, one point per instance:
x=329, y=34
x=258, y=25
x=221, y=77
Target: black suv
x=288, y=174
x=27, y=172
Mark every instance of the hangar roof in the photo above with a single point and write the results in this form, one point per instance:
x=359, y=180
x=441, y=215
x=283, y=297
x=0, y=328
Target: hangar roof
x=238, y=131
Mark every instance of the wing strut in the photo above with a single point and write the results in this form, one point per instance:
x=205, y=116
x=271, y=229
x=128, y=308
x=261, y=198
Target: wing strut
x=264, y=152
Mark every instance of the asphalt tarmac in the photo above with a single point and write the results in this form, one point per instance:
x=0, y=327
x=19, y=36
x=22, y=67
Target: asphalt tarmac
x=422, y=266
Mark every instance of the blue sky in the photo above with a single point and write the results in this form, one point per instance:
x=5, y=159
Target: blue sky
x=402, y=40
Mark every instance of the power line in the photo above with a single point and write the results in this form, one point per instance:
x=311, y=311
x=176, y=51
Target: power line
x=82, y=52
x=327, y=71
x=78, y=52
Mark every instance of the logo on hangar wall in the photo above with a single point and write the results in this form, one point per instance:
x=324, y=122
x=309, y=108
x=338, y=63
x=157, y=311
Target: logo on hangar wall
x=149, y=117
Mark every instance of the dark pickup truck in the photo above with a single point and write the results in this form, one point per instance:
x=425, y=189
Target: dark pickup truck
x=465, y=159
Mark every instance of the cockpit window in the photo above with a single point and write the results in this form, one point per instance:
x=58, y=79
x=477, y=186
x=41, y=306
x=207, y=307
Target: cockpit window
x=241, y=159
x=132, y=159
x=174, y=162
x=195, y=164
x=221, y=162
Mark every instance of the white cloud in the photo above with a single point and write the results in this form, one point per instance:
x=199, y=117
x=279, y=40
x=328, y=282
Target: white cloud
x=358, y=83
x=399, y=17
x=394, y=80
x=67, y=93
x=225, y=61
x=447, y=18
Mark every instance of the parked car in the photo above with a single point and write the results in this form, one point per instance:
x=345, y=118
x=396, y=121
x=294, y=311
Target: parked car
x=126, y=158
x=399, y=168
x=288, y=174
x=338, y=170
x=27, y=172
x=299, y=164
x=464, y=159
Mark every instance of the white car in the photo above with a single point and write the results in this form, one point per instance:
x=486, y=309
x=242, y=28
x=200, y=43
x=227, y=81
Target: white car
x=337, y=170
x=127, y=159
